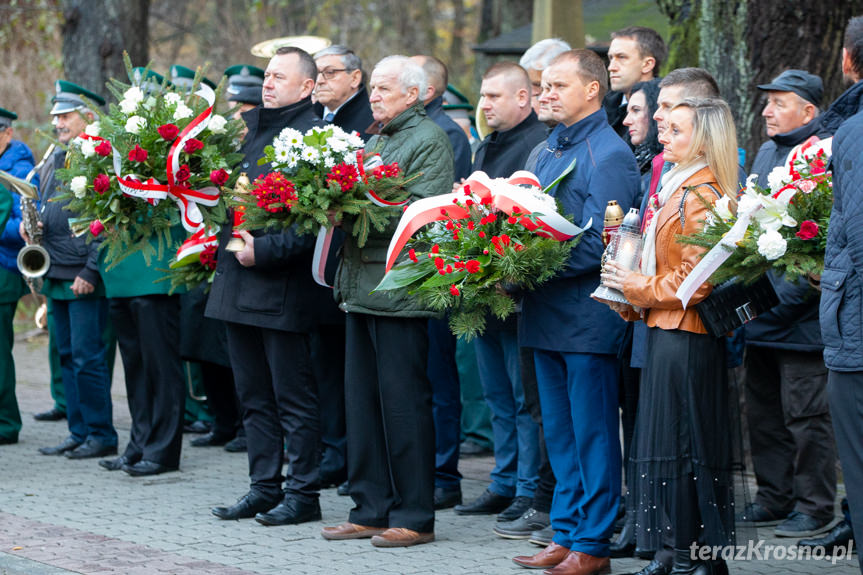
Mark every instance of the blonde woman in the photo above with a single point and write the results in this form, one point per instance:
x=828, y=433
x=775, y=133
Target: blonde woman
x=681, y=464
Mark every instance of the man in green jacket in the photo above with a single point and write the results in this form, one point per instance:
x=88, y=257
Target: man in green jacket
x=390, y=431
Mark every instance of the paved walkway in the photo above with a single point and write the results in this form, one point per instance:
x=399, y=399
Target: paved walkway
x=59, y=516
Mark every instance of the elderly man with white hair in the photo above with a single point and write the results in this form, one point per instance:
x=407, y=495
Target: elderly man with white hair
x=390, y=432
x=536, y=59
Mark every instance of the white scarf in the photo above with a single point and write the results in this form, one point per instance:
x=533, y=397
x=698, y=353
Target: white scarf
x=671, y=182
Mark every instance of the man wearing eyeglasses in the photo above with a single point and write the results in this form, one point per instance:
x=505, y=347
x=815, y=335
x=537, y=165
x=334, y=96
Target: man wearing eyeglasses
x=340, y=93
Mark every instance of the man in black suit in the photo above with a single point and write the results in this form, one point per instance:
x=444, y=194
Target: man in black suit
x=266, y=297
x=341, y=97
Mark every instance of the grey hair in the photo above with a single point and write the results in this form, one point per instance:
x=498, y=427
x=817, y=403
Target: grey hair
x=410, y=74
x=540, y=55
x=5, y=123
x=349, y=60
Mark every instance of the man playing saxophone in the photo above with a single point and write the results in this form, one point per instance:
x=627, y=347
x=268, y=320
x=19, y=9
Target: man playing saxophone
x=76, y=294
x=17, y=160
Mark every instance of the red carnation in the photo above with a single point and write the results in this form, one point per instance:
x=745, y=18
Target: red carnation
x=472, y=266
x=435, y=249
x=102, y=183
x=454, y=290
x=808, y=230
x=512, y=219
x=438, y=263
x=104, y=149
x=137, y=154
x=168, y=132
x=208, y=257
x=412, y=254
x=219, y=177
x=183, y=173
x=192, y=145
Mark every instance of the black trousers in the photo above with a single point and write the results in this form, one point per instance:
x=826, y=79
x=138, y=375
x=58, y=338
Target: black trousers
x=276, y=389
x=790, y=431
x=148, y=334
x=221, y=398
x=845, y=392
x=390, y=429
x=328, y=363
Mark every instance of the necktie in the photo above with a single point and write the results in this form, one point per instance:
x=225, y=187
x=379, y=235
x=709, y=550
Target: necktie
x=329, y=117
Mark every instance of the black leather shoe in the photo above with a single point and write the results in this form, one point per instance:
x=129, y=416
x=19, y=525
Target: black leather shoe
x=802, y=525
x=488, y=503
x=115, y=464
x=839, y=536
x=197, y=427
x=446, y=498
x=211, y=439
x=91, y=448
x=68, y=444
x=52, y=414
x=8, y=440
x=624, y=545
x=516, y=509
x=246, y=506
x=290, y=511
x=344, y=489
x=144, y=468
x=237, y=445
x=654, y=568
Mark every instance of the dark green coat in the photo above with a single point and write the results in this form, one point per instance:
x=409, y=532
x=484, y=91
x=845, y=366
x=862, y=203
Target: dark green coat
x=418, y=145
x=134, y=277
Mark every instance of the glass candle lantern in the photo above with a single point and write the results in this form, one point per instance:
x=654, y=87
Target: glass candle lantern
x=625, y=250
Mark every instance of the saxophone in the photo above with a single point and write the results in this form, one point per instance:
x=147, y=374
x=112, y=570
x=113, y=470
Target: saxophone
x=33, y=260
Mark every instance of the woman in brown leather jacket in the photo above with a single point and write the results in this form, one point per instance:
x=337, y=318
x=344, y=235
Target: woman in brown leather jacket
x=681, y=464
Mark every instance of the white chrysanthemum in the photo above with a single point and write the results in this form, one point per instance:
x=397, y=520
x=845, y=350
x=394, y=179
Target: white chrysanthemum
x=128, y=106
x=135, y=124
x=772, y=245
x=778, y=177
x=317, y=130
x=350, y=159
x=338, y=146
x=172, y=98
x=283, y=155
x=355, y=142
x=182, y=111
x=92, y=129
x=723, y=208
x=78, y=185
x=134, y=94
x=310, y=154
x=88, y=148
x=329, y=161
x=293, y=159
x=290, y=137
x=217, y=124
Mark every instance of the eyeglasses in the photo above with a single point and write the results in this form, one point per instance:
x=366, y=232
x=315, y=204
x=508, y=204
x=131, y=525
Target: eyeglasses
x=330, y=72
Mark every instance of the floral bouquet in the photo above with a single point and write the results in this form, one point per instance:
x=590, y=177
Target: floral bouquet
x=783, y=228
x=195, y=262
x=319, y=177
x=152, y=161
x=469, y=248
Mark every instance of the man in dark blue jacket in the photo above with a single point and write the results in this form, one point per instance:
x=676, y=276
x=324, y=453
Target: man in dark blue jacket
x=266, y=297
x=576, y=338
x=790, y=432
x=842, y=280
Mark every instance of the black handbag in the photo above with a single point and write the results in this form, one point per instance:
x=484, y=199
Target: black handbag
x=732, y=304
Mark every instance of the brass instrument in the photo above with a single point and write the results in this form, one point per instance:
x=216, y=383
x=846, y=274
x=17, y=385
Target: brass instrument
x=33, y=260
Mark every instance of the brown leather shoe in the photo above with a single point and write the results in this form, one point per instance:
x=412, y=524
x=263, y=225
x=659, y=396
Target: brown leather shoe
x=401, y=537
x=548, y=557
x=578, y=563
x=349, y=530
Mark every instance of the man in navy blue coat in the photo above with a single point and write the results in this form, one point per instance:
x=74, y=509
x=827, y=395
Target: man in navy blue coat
x=842, y=281
x=576, y=338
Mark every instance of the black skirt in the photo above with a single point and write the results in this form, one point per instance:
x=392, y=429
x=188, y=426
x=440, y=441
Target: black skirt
x=687, y=429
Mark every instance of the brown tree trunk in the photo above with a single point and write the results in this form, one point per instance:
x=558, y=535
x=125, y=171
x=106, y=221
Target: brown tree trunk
x=95, y=34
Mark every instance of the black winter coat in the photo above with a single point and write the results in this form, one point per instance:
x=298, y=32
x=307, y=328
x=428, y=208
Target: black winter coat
x=278, y=292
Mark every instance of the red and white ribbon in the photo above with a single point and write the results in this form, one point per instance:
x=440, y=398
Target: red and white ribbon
x=319, y=259
x=152, y=190
x=506, y=195
x=198, y=242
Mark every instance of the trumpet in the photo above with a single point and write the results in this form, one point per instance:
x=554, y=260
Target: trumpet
x=33, y=260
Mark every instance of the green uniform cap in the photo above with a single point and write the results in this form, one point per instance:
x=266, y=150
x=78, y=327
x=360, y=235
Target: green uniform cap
x=184, y=77
x=4, y=113
x=70, y=96
x=245, y=84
